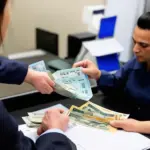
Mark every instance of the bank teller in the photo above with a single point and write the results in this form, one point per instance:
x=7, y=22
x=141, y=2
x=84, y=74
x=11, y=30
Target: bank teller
x=132, y=81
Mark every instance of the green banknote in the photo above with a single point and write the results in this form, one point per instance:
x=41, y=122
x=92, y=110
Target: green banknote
x=85, y=118
x=103, y=112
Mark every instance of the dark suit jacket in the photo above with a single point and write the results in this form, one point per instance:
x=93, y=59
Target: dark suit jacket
x=13, y=72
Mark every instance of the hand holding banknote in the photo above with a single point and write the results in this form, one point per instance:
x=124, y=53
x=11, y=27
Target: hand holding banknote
x=129, y=125
x=72, y=83
x=89, y=68
x=40, y=80
x=54, y=119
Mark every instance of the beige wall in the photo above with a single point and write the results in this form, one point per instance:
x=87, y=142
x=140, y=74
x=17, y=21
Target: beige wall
x=60, y=16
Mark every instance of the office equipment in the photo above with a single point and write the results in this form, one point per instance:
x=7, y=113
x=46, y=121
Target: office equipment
x=109, y=62
x=92, y=15
x=105, y=51
x=105, y=57
x=102, y=47
x=75, y=42
x=90, y=11
x=74, y=45
x=47, y=41
x=107, y=27
x=59, y=64
x=28, y=54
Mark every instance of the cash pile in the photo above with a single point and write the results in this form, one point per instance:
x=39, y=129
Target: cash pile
x=95, y=116
x=89, y=114
x=72, y=83
x=33, y=119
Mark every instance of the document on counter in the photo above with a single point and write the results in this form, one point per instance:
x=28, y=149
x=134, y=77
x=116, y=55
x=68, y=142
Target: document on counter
x=93, y=139
x=87, y=138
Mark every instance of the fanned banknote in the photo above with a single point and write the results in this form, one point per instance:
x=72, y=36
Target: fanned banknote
x=72, y=83
x=75, y=78
x=34, y=119
x=89, y=114
x=103, y=112
x=85, y=118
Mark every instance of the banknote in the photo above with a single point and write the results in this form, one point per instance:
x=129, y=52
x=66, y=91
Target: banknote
x=36, y=114
x=29, y=123
x=38, y=66
x=100, y=113
x=103, y=112
x=77, y=79
x=79, y=116
x=35, y=118
x=63, y=89
x=72, y=83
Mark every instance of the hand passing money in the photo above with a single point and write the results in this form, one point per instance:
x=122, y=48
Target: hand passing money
x=72, y=83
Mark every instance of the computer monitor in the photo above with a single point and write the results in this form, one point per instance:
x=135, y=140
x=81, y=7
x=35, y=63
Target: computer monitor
x=47, y=41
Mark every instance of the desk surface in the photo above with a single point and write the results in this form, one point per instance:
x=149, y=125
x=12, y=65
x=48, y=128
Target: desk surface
x=11, y=90
x=97, y=98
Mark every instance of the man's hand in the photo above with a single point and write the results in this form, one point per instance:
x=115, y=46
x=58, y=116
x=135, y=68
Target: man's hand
x=40, y=80
x=129, y=125
x=54, y=119
x=89, y=68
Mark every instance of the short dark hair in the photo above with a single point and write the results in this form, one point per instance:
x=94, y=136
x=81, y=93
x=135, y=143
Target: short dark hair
x=144, y=21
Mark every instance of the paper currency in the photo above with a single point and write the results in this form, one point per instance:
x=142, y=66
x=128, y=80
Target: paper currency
x=79, y=82
x=29, y=123
x=103, y=112
x=79, y=116
x=35, y=118
x=72, y=83
x=38, y=66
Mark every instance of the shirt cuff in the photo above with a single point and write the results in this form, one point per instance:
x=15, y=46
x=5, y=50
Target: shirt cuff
x=53, y=131
x=103, y=78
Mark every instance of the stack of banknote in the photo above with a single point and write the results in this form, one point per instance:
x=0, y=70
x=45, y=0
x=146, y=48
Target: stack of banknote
x=95, y=116
x=89, y=114
x=72, y=83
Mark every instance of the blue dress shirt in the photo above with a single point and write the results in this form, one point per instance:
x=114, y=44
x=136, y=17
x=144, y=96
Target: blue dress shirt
x=132, y=81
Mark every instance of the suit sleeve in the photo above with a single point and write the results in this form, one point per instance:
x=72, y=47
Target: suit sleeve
x=12, y=139
x=11, y=71
x=54, y=141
